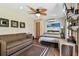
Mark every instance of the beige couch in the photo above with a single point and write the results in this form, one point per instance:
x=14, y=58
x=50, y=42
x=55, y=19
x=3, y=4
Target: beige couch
x=14, y=44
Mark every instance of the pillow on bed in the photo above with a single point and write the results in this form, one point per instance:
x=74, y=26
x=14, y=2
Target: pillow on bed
x=55, y=33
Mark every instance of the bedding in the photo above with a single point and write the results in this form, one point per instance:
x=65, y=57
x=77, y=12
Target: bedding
x=52, y=33
x=49, y=37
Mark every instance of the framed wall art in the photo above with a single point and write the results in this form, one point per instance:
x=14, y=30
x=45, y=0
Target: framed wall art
x=4, y=22
x=14, y=24
x=53, y=26
x=22, y=24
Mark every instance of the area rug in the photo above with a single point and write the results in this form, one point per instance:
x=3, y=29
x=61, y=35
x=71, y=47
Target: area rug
x=35, y=50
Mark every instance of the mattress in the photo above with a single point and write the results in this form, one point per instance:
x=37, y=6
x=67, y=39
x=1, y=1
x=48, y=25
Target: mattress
x=49, y=38
x=51, y=35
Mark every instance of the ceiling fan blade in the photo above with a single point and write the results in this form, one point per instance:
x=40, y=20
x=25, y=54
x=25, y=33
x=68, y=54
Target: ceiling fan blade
x=32, y=13
x=42, y=10
x=43, y=14
x=31, y=8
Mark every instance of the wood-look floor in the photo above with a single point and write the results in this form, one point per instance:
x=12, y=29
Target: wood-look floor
x=49, y=49
x=34, y=50
x=51, y=52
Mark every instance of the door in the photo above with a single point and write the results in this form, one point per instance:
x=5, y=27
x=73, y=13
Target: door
x=37, y=30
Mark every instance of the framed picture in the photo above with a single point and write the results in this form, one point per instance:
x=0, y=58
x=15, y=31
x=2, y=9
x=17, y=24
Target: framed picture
x=22, y=24
x=53, y=26
x=14, y=24
x=4, y=22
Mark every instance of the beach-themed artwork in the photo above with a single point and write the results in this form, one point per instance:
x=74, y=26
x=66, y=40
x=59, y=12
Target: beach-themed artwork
x=53, y=25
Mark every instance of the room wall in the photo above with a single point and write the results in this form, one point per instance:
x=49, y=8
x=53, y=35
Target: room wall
x=45, y=22
x=43, y=26
x=13, y=15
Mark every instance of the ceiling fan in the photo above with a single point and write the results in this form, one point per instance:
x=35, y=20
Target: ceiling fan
x=40, y=11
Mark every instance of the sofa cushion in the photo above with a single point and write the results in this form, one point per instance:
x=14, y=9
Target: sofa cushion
x=15, y=43
x=18, y=48
x=13, y=37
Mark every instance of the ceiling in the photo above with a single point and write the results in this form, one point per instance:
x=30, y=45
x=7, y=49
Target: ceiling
x=53, y=9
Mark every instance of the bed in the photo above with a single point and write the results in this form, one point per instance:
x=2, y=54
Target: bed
x=53, y=32
x=50, y=37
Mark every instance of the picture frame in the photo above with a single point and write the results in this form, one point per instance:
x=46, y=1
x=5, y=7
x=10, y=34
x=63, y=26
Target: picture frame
x=53, y=26
x=4, y=22
x=14, y=23
x=22, y=24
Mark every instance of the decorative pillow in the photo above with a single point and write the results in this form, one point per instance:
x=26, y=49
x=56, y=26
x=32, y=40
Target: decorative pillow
x=53, y=31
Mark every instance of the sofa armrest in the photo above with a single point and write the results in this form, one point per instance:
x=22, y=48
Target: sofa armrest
x=29, y=36
x=3, y=47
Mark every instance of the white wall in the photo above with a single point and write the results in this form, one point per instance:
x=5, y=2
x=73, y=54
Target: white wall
x=13, y=15
x=43, y=26
x=45, y=22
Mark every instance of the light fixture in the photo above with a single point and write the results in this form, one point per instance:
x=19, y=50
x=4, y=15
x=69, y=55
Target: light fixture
x=38, y=15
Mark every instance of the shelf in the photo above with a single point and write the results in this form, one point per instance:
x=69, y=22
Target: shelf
x=74, y=28
x=74, y=16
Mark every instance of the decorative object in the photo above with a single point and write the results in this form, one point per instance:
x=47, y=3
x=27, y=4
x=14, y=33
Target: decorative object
x=22, y=25
x=76, y=11
x=4, y=22
x=73, y=20
x=71, y=39
x=14, y=24
x=62, y=33
x=74, y=28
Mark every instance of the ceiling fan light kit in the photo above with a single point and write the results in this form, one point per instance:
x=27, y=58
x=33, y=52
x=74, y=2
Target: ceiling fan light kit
x=38, y=15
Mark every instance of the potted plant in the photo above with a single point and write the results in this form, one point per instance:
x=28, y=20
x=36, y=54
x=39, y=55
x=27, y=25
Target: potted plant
x=62, y=33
